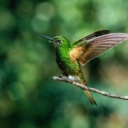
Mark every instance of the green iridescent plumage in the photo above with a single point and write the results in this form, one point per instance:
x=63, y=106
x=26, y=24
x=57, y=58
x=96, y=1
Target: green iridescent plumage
x=62, y=56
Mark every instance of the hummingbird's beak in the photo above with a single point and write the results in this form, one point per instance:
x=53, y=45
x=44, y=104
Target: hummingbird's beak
x=50, y=38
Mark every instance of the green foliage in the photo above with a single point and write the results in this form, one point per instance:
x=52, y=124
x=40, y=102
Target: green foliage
x=29, y=97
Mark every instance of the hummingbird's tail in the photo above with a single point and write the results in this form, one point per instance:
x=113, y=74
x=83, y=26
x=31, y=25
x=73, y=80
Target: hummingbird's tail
x=90, y=97
x=88, y=94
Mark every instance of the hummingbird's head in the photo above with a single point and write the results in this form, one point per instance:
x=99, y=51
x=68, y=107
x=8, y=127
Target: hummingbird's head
x=58, y=41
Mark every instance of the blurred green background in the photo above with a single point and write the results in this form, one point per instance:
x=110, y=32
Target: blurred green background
x=29, y=97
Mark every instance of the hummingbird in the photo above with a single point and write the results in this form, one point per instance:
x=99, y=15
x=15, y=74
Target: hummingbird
x=71, y=56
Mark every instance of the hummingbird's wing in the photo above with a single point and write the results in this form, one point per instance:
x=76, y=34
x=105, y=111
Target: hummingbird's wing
x=93, y=47
x=97, y=34
x=91, y=36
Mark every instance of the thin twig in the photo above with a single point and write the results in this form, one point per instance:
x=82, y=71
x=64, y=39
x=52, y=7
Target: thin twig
x=65, y=79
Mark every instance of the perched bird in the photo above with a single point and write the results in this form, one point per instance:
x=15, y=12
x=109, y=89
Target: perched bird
x=70, y=56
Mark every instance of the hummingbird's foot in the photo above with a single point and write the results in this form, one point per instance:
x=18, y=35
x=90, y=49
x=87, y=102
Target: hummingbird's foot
x=61, y=76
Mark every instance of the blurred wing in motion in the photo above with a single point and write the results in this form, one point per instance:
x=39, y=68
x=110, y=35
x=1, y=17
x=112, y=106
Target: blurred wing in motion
x=90, y=48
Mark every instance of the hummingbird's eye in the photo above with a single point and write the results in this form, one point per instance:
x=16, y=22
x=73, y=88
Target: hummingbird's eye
x=59, y=41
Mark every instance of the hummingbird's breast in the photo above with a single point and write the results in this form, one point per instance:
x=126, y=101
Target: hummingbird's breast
x=66, y=65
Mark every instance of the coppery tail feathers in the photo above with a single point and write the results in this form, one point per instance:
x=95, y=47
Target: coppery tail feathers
x=88, y=94
x=90, y=97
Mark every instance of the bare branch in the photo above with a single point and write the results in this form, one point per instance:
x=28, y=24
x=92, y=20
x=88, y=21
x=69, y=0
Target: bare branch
x=65, y=79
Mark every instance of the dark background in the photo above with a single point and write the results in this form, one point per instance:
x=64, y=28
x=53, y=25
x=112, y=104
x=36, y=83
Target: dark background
x=29, y=97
